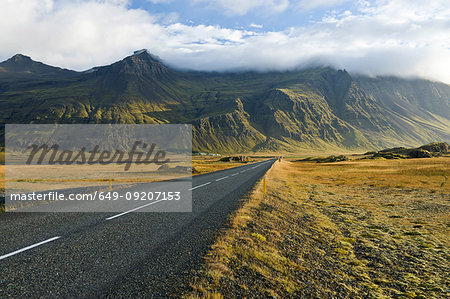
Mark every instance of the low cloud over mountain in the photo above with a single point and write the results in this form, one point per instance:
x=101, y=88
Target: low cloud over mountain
x=395, y=37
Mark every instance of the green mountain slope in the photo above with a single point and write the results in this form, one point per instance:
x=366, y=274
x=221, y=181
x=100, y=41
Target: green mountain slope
x=314, y=108
x=23, y=66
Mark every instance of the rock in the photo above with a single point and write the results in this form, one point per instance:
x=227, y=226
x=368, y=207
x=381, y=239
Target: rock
x=393, y=150
x=235, y=158
x=370, y=153
x=387, y=155
x=241, y=158
x=333, y=159
x=426, y=151
x=420, y=153
x=183, y=169
x=436, y=147
x=164, y=167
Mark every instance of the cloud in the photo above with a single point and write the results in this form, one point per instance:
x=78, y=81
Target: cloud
x=77, y=34
x=398, y=37
x=242, y=7
x=257, y=26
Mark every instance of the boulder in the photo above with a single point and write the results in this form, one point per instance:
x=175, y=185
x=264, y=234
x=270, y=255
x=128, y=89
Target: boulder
x=333, y=158
x=183, y=169
x=436, y=147
x=420, y=153
x=164, y=167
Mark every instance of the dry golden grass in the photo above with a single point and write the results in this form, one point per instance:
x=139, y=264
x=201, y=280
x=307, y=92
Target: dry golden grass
x=29, y=178
x=46, y=177
x=2, y=178
x=205, y=164
x=425, y=174
x=373, y=228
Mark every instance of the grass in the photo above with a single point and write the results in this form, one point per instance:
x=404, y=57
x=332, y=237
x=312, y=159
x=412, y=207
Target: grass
x=336, y=230
x=205, y=164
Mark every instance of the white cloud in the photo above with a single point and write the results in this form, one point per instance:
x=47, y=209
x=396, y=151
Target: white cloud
x=242, y=7
x=78, y=34
x=379, y=39
x=257, y=26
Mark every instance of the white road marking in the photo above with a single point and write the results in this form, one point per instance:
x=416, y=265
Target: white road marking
x=199, y=186
x=132, y=210
x=222, y=178
x=28, y=247
x=113, y=217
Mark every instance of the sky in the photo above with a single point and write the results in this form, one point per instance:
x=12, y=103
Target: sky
x=409, y=38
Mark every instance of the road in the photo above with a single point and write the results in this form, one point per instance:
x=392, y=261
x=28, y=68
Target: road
x=113, y=255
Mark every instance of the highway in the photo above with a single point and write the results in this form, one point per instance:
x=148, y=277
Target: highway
x=116, y=255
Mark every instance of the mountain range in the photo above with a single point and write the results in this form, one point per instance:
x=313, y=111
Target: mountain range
x=315, y=108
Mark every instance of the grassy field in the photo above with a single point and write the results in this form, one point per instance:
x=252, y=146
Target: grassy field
x=367, y=228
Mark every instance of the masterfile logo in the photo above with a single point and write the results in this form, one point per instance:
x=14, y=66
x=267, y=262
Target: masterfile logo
x=98, y=168
x=69, y=157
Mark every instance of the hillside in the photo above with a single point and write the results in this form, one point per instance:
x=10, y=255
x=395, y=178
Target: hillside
x=318, y=108
x=21, y=66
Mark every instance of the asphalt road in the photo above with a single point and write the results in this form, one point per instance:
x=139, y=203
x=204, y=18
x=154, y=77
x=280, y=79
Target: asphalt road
x=118, y=254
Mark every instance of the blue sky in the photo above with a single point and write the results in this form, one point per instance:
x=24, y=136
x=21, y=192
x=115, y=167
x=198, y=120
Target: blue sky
x=272, y=16
x=378, y=37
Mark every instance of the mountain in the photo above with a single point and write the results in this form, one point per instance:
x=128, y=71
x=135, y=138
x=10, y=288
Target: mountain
x=23, y=66
x=141, y=64
x=316, y=108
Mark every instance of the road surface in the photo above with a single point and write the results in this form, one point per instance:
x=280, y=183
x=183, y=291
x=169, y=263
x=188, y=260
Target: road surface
x=118, y=254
